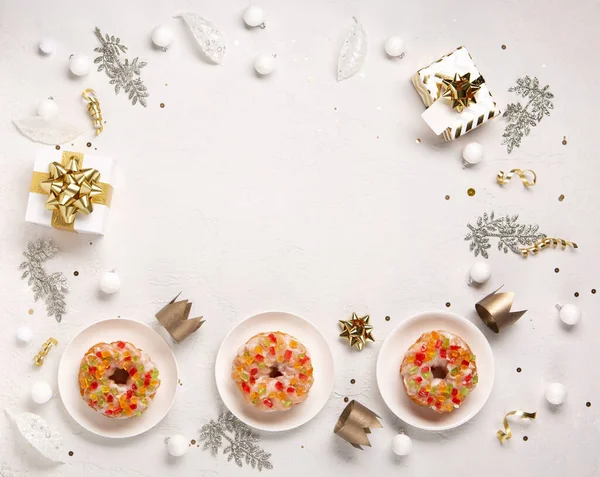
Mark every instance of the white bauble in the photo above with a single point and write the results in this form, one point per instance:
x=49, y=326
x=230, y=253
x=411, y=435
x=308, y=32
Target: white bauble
x=41, y=392
x=570, y=314
x=254, y=16
x=110, y=283
x=264, y=64
x=395, y=47
x=24, y=334
x=480, y=272
x=401, y=444
x=80, y=64
x=473, y=153
x=556, y=393
x=162, y=36
x=47, y=109
x=177, y=445
x=47, y=46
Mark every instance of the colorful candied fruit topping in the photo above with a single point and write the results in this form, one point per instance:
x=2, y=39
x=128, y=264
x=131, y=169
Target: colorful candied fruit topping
x=287, y=355
x=245, y=387
x=272, y=351
x=273, y=338
x=259, y=357
x=279, y=385
x=267, y=402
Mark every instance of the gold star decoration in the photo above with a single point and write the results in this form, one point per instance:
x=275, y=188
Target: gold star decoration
x=357, y=330
x=461, y=91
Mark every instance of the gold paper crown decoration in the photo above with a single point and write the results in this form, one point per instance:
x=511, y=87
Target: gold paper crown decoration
x=494, y=310
x=174, y=316
x=355, y=423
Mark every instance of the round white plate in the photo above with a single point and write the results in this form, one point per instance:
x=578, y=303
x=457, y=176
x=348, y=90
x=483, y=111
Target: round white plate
x=391, y=355
x=145, y=338
x=322, y=361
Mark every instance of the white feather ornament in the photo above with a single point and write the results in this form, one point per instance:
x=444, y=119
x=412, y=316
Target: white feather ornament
x=353, y=53
x=39, y=434
x=210, y=39
x=47, y=131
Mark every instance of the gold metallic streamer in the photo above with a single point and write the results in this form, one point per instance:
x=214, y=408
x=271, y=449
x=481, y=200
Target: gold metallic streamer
x=94, y=109
x=39, y=358
x=174, y=316
x=545, y=243
x=502, y=178
x=507, y=433
x=355, y=423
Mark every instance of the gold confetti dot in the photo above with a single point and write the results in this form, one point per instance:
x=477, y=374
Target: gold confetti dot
x=503, y=47
x=576, y=294
x=519, y=370
x=556, y=270
x=57, y=147
x=387, y=318
x=525, y=438
x=30, y=311
x=89, y=144
x=418, y=140
x=471, y=192
x=352, y=381
x=302, y=447
x=310, y=78
x=70, y=453
x=588, y=404
x=448, y=304
x=76, y=273
x=593, y=291
x=193, y=442
x=447, y=197
x=561, y=197
x=346, y=399
x=162, y=105
x=564, y=141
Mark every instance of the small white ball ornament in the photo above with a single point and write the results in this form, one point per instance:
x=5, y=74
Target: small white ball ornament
x=264, y=64
x=570, y=314
x=556, y=393
x=472, y=154
x=401, y=444
x=47, y=46
x=254, y=16
x=24, y=334
x=177, y=445
x=110, y=282
x=41, y=392
x=47, y=109
x=395, y=47
x=80, y=64
x=162, y=36
x=480, y=273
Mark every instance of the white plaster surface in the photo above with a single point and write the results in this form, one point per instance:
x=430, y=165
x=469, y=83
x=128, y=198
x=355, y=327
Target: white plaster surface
x=298, y=193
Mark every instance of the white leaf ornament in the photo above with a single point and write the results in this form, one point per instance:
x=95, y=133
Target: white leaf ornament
x=353, y=53
x=39, y=434
x=47, y=131
x=210, y=39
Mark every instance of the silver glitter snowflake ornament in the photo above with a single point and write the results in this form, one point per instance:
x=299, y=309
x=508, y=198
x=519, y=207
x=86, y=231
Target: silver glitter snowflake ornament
x=209, y=38
x=240, y=444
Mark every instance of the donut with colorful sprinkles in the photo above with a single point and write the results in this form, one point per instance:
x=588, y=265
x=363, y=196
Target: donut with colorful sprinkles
x=118, y=380
x=439, y=371
x=273, y=371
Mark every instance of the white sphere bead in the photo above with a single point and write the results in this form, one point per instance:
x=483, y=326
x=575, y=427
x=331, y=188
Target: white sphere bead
x=401, y=444
x=556, y=393
x=254, y=16
x=570, y=314
x=177, y=445
x=394, y=46
x=162, y=36
x=473, y=153
x=480, y=272
x=110, y=283
x=47, y=109
x=80, y=64
x=41, y=392
x=47, y=46
x=24, y=334
x=264, y=64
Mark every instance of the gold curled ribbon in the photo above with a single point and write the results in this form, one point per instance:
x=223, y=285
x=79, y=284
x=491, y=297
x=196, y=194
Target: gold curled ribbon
x=46, y=347
x=355, y=423
x=174, y=317
x=94, y=109
x=494, y=310
x=545, y=243
x=502, y=178
x=507, y=433
x=460, y=90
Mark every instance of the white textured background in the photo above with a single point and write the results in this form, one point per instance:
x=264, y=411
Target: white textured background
x=311, y=196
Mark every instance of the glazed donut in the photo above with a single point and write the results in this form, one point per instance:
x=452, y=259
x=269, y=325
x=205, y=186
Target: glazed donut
x=439, y=371
x=273, y=371
x=118, y=380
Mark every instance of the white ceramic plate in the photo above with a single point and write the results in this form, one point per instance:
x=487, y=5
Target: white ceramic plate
x=142, y=336
x=391, y=355
x=322, y=361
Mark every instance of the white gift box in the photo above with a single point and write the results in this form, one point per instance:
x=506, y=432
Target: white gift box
x=94, y=223
x=440, y=116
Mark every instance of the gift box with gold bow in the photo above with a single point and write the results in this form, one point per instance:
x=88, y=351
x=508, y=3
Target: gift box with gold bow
x=456, y=95
x=71, y=191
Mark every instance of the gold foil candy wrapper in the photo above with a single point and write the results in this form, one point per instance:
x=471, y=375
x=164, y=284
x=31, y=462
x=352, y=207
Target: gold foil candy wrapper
x=494, y=310
x=507, y=433
x=546, y=243
x=502, y=178
x=355, y=423
x=174, y=317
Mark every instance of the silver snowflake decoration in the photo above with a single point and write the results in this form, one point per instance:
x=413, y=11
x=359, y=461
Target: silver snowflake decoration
x=522, y=118
x=510, y=234
x=122, y=73
x=49, y=287
x=240, y=443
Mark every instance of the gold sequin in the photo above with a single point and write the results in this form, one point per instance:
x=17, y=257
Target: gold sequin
x=471, y=192
x=564, y=141
x=561, y=197
x=30, y=311
x=418, y=140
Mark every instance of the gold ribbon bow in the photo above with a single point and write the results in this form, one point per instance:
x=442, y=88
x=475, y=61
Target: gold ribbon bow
x=507, y=433
x=70, y=189
x=460, y=90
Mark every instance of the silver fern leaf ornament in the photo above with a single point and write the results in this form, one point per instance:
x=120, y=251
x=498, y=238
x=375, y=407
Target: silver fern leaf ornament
x=208, y=36
x=353, y=53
